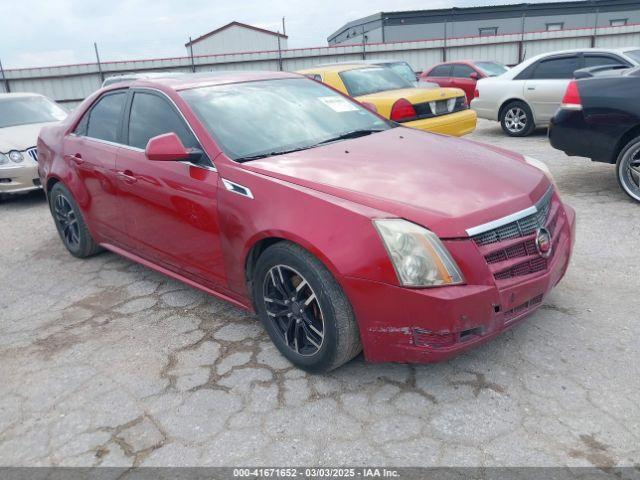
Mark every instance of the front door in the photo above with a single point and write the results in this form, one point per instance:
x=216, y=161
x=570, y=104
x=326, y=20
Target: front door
x=170, y=208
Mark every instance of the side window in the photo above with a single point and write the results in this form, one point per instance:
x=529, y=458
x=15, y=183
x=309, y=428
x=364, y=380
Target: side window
x=597, y=60
x=151, y=116
x=557, y=68
x=440, y=71
x=81, y=128
x=104, y=117
x=462, y=71
x=314, y=76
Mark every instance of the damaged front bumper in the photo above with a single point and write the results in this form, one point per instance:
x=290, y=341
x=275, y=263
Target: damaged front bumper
x=429, y=325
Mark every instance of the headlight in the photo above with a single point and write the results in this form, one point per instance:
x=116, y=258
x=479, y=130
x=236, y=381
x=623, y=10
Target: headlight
x=3, y=159
x=419, y=257
x=534, y=162
x=15, y=156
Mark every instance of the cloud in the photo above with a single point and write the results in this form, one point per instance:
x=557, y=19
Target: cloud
x=49, y=32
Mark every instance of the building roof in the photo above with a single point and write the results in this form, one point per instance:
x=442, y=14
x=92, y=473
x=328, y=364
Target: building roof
x=235, y=24
x=476, y=13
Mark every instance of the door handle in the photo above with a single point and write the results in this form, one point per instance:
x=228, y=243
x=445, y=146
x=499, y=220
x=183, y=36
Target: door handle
x=76, y=158
x=531, y=88
x=127, y=176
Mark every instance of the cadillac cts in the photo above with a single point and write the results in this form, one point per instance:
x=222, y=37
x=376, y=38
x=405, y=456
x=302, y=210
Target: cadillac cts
x=342, y=231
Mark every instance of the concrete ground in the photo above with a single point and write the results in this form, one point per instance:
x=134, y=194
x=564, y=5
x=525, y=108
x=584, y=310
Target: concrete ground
x=104, y=362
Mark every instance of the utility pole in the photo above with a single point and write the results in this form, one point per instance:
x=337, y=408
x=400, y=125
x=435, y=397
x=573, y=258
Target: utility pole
x=521, y=49
x=444, y=48
x=193, y=63
x=95, y=47
x=364, y=45
x=594, y=37
x=284, y=28
x=5, y=80
x=279, y=53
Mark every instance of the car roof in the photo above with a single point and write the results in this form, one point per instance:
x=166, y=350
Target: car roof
x=336, y=67
x=205, y=79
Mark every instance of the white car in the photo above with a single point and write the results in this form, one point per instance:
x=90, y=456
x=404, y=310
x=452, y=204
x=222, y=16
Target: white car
x=21, y=117
x=529, y=94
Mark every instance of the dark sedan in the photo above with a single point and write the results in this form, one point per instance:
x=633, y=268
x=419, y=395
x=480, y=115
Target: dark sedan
x=600, y=119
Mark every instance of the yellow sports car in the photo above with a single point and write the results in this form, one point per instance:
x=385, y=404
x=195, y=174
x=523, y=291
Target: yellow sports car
x=441, y=110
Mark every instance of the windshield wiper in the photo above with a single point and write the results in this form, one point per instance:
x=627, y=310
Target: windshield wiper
x=351, y=134
x=343, y=136
x=273, y=154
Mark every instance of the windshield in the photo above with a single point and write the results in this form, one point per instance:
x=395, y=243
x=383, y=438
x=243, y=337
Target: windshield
x=364, y=81
x=491, y=69
x=634, y=54
x=275, y=116
x=25, y=110
x=404, y=70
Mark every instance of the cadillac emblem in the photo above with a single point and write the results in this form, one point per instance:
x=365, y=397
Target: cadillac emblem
x=543, y=242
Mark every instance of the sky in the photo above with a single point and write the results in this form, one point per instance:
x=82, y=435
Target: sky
x=56, y=32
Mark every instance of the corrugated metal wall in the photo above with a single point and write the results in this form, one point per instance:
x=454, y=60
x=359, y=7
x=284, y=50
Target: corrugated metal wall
x=70, y=84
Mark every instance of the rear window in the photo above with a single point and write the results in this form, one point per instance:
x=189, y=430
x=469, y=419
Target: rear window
x=635, y=54
x=365, y=81
x=491, y=69
x=404, y=70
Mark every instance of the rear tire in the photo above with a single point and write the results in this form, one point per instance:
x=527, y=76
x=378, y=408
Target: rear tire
x=70, y=223
x=304, y=310
x=628, y=169
x=516, y=119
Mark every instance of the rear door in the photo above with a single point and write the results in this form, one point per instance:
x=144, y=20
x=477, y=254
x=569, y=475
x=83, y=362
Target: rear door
x=440, y=74
x=91, y=151
x=547, y=83
x=170, y=207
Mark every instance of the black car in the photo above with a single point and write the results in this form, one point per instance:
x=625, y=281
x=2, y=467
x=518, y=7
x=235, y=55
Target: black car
x=600, y=119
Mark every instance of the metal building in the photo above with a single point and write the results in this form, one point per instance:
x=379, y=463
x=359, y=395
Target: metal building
x=236, y=37
x=521, y=18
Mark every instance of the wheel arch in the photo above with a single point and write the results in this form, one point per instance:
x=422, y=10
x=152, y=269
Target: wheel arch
x=629, y=135
x=260, y=242
x=511, y=100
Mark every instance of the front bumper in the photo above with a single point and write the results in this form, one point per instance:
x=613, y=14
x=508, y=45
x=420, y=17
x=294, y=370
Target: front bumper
x=410, y=325
x=21, y=177
x=455, y=124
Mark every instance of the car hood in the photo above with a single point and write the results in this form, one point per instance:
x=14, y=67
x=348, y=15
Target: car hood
x=443, y=183
x=20, y=137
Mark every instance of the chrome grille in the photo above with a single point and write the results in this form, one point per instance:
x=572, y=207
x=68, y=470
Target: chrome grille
x=33, y=153
x=518, y=228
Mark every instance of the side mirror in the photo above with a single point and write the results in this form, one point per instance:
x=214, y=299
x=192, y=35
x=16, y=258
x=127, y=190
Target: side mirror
x=166, y=148
x=474, y=75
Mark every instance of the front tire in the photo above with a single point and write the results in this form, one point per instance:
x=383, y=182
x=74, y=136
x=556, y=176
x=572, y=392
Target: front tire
x=628, y=169
x=304, y=310
x=70, y=223
x=516, y=119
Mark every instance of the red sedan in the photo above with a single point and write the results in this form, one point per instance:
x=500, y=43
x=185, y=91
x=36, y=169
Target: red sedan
x=462, y=74
x=341, y=230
